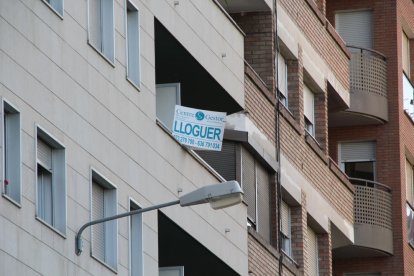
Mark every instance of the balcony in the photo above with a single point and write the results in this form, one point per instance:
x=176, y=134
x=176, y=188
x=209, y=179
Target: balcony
x=368, y=91
x=373, y=221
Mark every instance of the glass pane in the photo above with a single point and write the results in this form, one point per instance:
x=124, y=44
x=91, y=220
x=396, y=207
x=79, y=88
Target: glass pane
x=45, y=195
x=410, y=225
x=363, y=170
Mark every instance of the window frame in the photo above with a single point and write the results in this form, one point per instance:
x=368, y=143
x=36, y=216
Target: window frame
x=106, y=184
x=317, y=266
x=127, y=46
x=256, y=223
x=60, y=14
x=13, y=110
x=405, y=38
x=141, y=268
x=110, y=59
x=288, y=239
x=56, y=145
x=360, y=160
x=411, y=166
x=309, y=122
x=284, y=94
x=177, y=86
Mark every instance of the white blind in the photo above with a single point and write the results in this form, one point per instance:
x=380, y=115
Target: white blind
x=282, y=75
x=313, y=253
x=285, y=219
x=98, y=230
x=355, y=28
x=308, y=102
x=263, y=199
x=406, y=54
x=249, y=183
x=358, y=151
x=409, y=182
x=44, y=154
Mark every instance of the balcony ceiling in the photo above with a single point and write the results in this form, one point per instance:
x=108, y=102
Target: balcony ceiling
x=173, y=63
x=346, y=118
x=235, y=6
x=353, y=251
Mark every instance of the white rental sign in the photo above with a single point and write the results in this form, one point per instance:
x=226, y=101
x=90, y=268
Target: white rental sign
x=200, y=129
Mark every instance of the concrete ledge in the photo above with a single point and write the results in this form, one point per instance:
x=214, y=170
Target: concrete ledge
x=316, y=148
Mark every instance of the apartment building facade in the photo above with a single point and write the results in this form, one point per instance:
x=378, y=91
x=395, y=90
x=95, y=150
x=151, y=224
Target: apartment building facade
x=292, y=47
x=372, y=141
x=88, y=94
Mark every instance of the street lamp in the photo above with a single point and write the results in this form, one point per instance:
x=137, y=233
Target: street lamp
x=219, y=196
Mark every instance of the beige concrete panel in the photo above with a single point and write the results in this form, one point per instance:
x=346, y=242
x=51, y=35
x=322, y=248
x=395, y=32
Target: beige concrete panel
x=9, y=265
x=150, y=265
x=150, y=239
x=77, y=186
x=123, y=254
x=28, y=185
x=27, y=148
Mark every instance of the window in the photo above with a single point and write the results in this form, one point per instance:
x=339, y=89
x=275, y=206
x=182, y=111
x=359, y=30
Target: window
x=409, y=182
x=406, y=54
x=355, y=28
x=235, y=162
x=256, y=186
x=101, y=27
x=286, y=228
x=313, y=252
x=56, y=5
x=104, y=235
x=167, y=96
x=133, y=45
x=309, y=110
x=11, y=153
x=408, y=87
x=410, y=224
x=51, y=181
x=357, y=159
x=408, y=94
x=282, y=79
x=135, y=242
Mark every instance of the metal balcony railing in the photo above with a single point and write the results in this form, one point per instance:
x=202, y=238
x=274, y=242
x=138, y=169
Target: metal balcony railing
x=368, y=71
x=372, y=203
x=368, y=85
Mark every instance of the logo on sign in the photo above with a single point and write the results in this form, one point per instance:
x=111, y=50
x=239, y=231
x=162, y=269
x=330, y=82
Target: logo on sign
x=199, y=115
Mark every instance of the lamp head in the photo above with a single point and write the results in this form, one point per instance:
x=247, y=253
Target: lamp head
x=219, y=196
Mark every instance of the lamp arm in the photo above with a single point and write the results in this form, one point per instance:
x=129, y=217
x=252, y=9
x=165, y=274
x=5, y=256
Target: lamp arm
x=78, y=238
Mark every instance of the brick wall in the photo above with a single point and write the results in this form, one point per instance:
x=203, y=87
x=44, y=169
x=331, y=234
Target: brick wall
x=314, y=27
x=260, y=105
x=258, y=44
x=261, y=260
x=306, y=154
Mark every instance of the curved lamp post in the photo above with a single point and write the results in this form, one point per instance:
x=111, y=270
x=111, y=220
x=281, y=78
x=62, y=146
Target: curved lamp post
x=219, y=196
